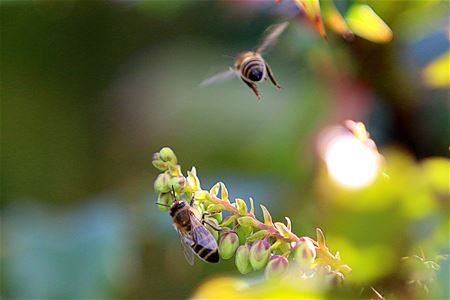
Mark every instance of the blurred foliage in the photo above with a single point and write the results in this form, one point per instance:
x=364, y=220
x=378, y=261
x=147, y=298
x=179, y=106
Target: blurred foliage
x=89, y=89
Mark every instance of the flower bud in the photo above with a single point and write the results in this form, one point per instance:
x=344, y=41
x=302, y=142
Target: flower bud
x=162, y=183
x=166, y=154
x=305, y=253
x=164, y=198
x=242, y=259
x=160, y=165
x=228, y=244
x=259, y=254
x=276, y=267
x=178, y=183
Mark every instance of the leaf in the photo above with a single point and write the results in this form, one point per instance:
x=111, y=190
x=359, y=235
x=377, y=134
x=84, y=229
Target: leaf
x=192, y=180
x=215, y=208
x=288, y=222
x=223, y=192
x=215, y=189
x=252, y=206
x=241, y=206
x=267, y=216
x=320, y=238
x=284, y=231
x=228, y=221
x=259, y=235
x=200, y=195
x=364, y=22
x=247, y=221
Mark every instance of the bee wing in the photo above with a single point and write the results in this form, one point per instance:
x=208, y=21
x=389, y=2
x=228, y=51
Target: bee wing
x=186, y=242
x=228, y=74
x=201, y=235
x=271, y=35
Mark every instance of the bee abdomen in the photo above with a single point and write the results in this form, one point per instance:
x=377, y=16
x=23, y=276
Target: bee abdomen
x=209, y=255
x=253, y=69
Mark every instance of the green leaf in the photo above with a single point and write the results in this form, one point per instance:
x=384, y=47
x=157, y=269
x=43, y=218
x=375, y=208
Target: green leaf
x=223, y=192
x=247, y=221
x=288, y=222
x=243, y=232
x=267, y=216
x=215, y=189
x=284, y=231
x=259, y=235
x=228, y=221
x=215, y=208
x=241, y=206
x=252, y=206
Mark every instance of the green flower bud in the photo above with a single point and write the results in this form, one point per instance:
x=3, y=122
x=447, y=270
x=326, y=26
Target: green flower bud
x=259, y=254
x=162, y=183
x=160, y=165
x=166, y=154
x=276, y=267
x=228, y=244
x=242, y=259
x=164, y=198
x=305, y=253
x=178, y=183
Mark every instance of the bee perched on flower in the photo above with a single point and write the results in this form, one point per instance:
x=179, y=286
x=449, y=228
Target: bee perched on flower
x=257, y=245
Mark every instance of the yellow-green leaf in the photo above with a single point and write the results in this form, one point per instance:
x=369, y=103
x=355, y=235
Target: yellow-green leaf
x=364, y=22
x=284, y=231
x=228, y=221
x=215, y=208
x=215, y=189
x=241, y=206
x=259, y=235
x=223, y=192
x=267, y=216
x=288, y=222
x=252, y=206
x=247, y=221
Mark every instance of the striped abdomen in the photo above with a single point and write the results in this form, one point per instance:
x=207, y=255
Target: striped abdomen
x=206, y=246
x=253, y=69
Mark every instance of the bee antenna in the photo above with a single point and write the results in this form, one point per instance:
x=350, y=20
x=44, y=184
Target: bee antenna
x=229, y=56
x=173, y=191
x=162, y=204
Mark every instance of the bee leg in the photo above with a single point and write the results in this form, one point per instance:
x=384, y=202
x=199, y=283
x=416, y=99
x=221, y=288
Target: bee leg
x=269, y=72
x=192, y=200
x=212, y=226
x=253, y=87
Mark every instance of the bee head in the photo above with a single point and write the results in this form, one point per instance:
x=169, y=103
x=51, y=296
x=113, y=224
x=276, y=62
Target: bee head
x=177, y=205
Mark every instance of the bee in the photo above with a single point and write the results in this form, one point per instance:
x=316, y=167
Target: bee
x=250, y=66
x=194, y=236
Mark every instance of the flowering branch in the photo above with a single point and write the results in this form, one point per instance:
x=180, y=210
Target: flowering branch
x=256, y=243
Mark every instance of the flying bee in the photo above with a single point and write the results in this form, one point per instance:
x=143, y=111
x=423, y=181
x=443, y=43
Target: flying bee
x=194, y=236
x=250, y=66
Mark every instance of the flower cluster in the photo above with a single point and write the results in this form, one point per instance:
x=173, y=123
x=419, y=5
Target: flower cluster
x=255, y=244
